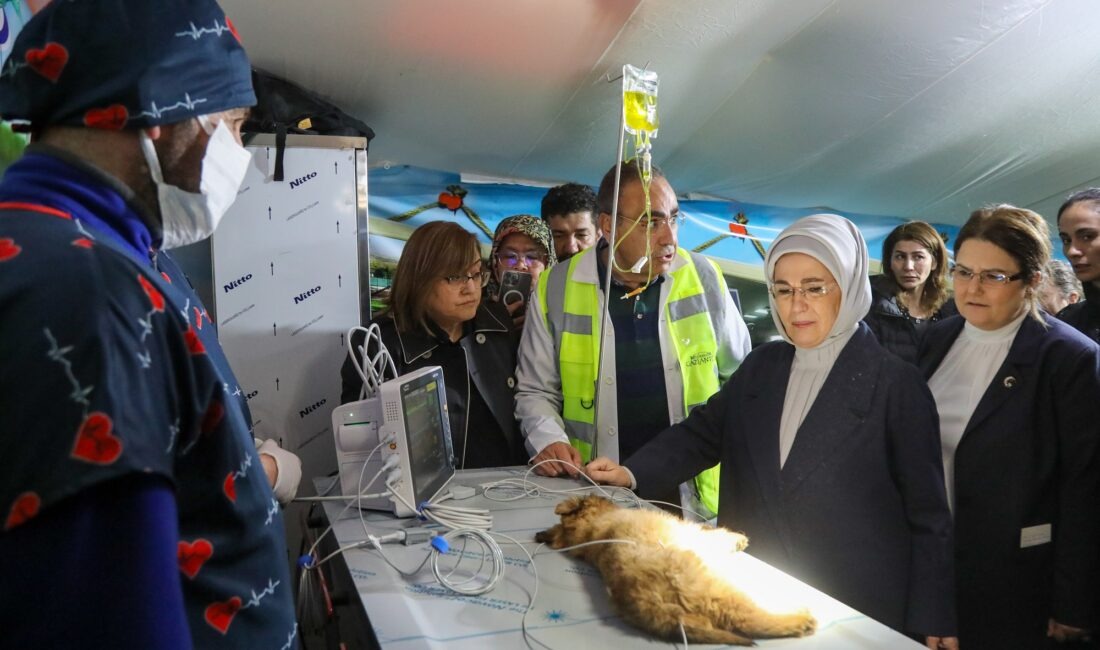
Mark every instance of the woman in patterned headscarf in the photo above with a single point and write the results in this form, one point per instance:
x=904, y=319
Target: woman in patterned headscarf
x=521, y=243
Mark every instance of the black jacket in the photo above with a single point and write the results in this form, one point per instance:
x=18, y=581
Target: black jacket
x=858, y=510
x=479, y=372
x=1084, y=316
x=1028, y=459
x=893, y=330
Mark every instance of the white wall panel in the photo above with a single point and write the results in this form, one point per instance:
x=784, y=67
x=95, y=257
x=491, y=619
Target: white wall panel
x=286, y=287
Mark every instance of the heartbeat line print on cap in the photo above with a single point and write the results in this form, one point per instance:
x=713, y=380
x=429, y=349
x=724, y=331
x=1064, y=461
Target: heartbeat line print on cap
x=156, y=112
x=11, y=67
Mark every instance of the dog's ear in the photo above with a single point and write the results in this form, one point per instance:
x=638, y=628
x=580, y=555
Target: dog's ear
x=569, y=506
x=598, y=503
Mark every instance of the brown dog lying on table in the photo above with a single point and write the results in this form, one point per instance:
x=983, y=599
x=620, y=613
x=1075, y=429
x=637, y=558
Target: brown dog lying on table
x=657, y=585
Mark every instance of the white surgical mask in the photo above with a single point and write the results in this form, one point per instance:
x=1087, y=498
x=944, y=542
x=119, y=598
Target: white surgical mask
x=187, y=217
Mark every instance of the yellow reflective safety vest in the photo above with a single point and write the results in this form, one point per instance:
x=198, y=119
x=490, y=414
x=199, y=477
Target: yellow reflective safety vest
x=572, y=312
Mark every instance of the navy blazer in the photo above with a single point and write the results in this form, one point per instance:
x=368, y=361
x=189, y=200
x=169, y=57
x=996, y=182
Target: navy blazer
x=1027, y=458
x=858, y=510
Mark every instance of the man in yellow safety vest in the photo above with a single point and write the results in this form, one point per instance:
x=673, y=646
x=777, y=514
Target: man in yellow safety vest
x=674, y=336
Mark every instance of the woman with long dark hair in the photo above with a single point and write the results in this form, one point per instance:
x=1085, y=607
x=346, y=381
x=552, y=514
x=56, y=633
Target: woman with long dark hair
x=912, y=290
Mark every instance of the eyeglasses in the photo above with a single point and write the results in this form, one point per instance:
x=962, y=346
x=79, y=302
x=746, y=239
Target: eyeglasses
x=481, y=278
x=653, y=223
x=512, y=259
x=963, y=275
x=814, y=291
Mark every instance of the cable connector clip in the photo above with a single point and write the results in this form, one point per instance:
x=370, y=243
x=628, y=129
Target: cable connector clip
x=440, y=544
x=417, y=535
x=460, y=492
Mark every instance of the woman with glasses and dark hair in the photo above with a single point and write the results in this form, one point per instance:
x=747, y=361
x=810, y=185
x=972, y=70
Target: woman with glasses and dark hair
x=829, y=445
x=1017, y=396
x=522, y=249
x=912, y=290
x=436, y=317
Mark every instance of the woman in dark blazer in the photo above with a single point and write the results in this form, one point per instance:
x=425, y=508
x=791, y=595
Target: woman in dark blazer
x=436, y=317
x=828, y=443
x=1018, y=395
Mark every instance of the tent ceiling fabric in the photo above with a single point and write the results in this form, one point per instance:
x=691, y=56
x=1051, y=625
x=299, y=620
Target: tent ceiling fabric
x=912, y=109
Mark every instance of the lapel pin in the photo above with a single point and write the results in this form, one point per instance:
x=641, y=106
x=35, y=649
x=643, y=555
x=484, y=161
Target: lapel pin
x=480, y=338
x=511, y=382
x=1010, y=381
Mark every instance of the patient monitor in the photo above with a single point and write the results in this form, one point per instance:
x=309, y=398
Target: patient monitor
x=408, y=418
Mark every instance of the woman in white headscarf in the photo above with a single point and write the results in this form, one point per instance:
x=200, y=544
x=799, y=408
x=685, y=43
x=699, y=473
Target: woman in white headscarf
x=829, y=445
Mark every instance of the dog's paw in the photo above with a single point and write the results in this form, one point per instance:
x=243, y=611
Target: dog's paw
x=804, y=623
x=733, y=541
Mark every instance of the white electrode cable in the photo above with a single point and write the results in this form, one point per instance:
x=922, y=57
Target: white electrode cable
x=471, y=586
x=374, y=372
x=361, y=490
x=342, y=497
x=451, y=517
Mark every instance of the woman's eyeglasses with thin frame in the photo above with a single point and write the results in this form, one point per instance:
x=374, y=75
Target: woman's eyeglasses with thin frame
x=963, y=275
x=814, y=291
x=481, y=278
x=511, y=259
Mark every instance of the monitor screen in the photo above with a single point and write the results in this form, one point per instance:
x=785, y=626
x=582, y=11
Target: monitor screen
x=428, y=433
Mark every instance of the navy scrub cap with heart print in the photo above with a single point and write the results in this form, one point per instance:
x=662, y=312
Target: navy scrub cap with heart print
x=115, y=64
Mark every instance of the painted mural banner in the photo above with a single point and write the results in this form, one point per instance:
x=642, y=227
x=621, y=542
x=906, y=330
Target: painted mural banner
x=733, y=234
x=13, y=15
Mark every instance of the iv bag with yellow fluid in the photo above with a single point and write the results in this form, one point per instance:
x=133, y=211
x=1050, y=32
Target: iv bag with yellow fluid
x=640, y=101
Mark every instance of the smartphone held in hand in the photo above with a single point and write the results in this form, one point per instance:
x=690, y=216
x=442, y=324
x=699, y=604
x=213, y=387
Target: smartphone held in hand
x=515, y=286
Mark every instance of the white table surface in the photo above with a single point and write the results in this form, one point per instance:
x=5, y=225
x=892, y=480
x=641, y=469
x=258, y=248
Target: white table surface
x=571, y=610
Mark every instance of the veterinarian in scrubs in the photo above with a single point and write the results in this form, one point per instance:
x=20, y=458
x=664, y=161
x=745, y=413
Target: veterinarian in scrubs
x=829, y=445
x=1017, y=393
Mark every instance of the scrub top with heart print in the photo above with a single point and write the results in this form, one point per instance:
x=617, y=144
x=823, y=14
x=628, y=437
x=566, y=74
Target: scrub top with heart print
x=110, y=369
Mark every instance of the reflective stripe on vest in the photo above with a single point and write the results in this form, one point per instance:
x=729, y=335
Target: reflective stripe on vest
x=571, y=309
x=696, y=347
